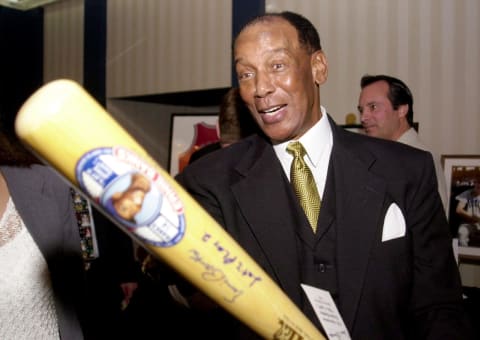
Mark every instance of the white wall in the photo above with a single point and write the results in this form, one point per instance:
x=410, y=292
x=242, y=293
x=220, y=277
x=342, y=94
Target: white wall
x=63, y=40
x=167, y=46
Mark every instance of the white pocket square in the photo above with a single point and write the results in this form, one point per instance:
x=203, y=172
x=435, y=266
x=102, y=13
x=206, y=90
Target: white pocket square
x=394, y=225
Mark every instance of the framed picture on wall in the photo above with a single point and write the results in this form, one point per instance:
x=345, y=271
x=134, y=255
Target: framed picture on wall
x=190, y=132
x=462, y=175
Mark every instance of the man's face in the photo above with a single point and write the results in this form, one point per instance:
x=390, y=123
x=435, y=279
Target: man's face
x=377, y=115
x=279, y=79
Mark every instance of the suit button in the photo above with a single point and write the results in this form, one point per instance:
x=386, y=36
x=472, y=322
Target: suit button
x=321, y=267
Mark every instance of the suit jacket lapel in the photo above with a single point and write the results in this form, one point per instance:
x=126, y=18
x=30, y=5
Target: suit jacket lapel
x=262, y=190
x=360, y=197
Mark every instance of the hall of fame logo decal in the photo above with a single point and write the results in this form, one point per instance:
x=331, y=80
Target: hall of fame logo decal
x=133, y=193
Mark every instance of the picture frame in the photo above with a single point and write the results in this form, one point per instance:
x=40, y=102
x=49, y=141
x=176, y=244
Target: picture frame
x=461, y=173
x=188, y=133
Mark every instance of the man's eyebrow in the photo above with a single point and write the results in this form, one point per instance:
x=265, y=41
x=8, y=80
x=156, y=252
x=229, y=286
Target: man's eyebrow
x=237, y=60
x=274, y=51
x=360, y=107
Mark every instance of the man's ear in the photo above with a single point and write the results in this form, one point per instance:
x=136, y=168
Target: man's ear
x=319, y=67
x=402, y=110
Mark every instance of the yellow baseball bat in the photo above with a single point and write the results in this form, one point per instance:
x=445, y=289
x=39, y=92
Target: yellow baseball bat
x=71, y=132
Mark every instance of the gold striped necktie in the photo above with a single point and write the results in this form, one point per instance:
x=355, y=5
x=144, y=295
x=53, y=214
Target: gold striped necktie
x=304, y=184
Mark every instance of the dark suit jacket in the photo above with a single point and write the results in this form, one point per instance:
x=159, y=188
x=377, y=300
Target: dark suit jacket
x=204, y=150
x=404, y=288
x=45, y=205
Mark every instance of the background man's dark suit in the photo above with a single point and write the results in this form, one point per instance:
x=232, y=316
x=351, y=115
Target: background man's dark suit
x=244, y=187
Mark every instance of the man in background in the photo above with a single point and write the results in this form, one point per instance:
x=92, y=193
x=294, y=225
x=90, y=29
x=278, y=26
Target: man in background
x=386, y=111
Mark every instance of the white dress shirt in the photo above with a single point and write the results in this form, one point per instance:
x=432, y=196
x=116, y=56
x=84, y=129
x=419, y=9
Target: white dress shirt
x=318, y=142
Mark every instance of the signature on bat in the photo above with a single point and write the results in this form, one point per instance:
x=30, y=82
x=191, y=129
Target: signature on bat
x=213, y=274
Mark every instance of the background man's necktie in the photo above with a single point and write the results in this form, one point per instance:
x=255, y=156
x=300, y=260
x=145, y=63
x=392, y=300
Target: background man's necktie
x=304, y=184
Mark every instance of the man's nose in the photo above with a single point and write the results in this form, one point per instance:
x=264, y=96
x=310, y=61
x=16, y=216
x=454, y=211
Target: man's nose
x=364, y=114
x=264, y=85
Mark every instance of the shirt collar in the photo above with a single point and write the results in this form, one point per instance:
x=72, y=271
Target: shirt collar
x=315, y=141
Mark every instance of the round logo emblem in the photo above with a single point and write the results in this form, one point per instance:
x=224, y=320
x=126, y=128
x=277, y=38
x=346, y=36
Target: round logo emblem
x=133, y=193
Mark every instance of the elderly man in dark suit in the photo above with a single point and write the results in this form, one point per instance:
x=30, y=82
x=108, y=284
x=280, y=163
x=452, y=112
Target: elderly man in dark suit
x=379, y=242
